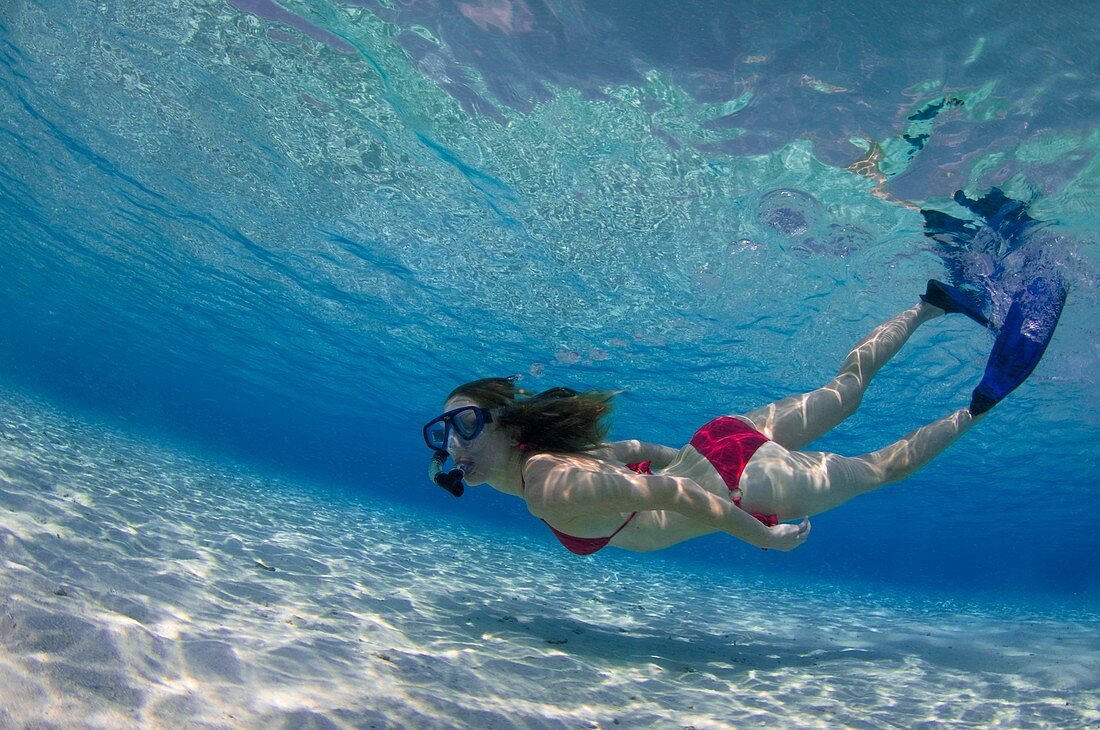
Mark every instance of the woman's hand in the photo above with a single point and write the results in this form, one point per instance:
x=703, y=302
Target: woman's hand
x=787, y=537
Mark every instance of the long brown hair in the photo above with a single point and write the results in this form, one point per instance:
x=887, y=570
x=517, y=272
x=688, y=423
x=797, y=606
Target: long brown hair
x=558, y=419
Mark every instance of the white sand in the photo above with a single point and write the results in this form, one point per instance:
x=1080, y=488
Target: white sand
x=141, y=587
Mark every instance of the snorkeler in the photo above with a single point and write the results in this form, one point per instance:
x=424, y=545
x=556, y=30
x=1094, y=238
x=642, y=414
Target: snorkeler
x=743, y=474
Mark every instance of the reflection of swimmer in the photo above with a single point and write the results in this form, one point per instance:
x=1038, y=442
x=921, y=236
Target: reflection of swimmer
x=882, y=161
x=743, y=474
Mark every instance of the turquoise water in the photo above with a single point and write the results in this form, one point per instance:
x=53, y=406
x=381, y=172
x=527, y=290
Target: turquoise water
x=258, y=243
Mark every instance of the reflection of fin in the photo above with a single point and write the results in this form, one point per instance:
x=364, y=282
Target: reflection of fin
x=952, y=299
x=1007, y=217
x=1023, y=339
x=947, y=229
x=932, y=109
x=1004, y=215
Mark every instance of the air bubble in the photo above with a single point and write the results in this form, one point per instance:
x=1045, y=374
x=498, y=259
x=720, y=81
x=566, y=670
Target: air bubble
x=789, y=212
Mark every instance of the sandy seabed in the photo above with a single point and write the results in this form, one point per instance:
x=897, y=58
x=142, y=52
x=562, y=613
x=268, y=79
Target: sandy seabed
x=142, y=587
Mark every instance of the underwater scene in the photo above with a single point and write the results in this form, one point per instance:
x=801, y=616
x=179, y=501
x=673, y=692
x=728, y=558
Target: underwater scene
x=249, y=247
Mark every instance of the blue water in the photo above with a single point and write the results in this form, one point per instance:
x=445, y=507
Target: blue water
x=279, y=234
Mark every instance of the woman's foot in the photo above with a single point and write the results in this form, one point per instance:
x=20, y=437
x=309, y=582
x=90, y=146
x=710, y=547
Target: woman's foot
x=953, y=300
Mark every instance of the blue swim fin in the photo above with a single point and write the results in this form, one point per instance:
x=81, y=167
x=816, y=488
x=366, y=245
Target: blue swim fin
x=952, y=299
x=1022, y=340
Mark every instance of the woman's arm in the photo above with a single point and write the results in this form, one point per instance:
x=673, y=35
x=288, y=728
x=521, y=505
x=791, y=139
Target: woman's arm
x=568, y=488
x=633, y=450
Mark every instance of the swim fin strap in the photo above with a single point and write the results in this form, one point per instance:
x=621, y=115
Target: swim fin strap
x=1021, y=342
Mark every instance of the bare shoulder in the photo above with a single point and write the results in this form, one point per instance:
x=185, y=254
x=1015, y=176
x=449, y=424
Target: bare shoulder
x=549, y=477
x=542, y=468
x=543, y=477
x=546, y=460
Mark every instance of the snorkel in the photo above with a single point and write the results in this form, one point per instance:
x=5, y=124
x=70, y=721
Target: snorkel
x=449, y=480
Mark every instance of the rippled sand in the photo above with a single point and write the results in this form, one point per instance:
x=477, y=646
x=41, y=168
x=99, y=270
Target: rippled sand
x=143, y=587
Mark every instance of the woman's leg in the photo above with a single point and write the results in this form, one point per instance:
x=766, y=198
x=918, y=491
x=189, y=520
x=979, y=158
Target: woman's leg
x=794, y=484
x=797, y=420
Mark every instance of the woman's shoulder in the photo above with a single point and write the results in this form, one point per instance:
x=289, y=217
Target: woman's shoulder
x=543, y=462
x=538, y=479
x=551, y=480
x=544, y=470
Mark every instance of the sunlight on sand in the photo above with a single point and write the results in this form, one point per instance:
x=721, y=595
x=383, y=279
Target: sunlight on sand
x=139, y=586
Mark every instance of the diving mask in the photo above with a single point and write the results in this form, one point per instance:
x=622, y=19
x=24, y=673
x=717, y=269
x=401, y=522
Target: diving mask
x=467, y=422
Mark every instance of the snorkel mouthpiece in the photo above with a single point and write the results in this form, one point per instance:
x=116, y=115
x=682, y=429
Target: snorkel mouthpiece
x=449, y=480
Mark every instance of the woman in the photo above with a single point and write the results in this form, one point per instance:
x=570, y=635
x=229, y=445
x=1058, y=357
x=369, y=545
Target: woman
x=743, y=475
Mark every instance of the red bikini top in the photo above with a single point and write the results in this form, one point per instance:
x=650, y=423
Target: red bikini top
x=589, y=545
